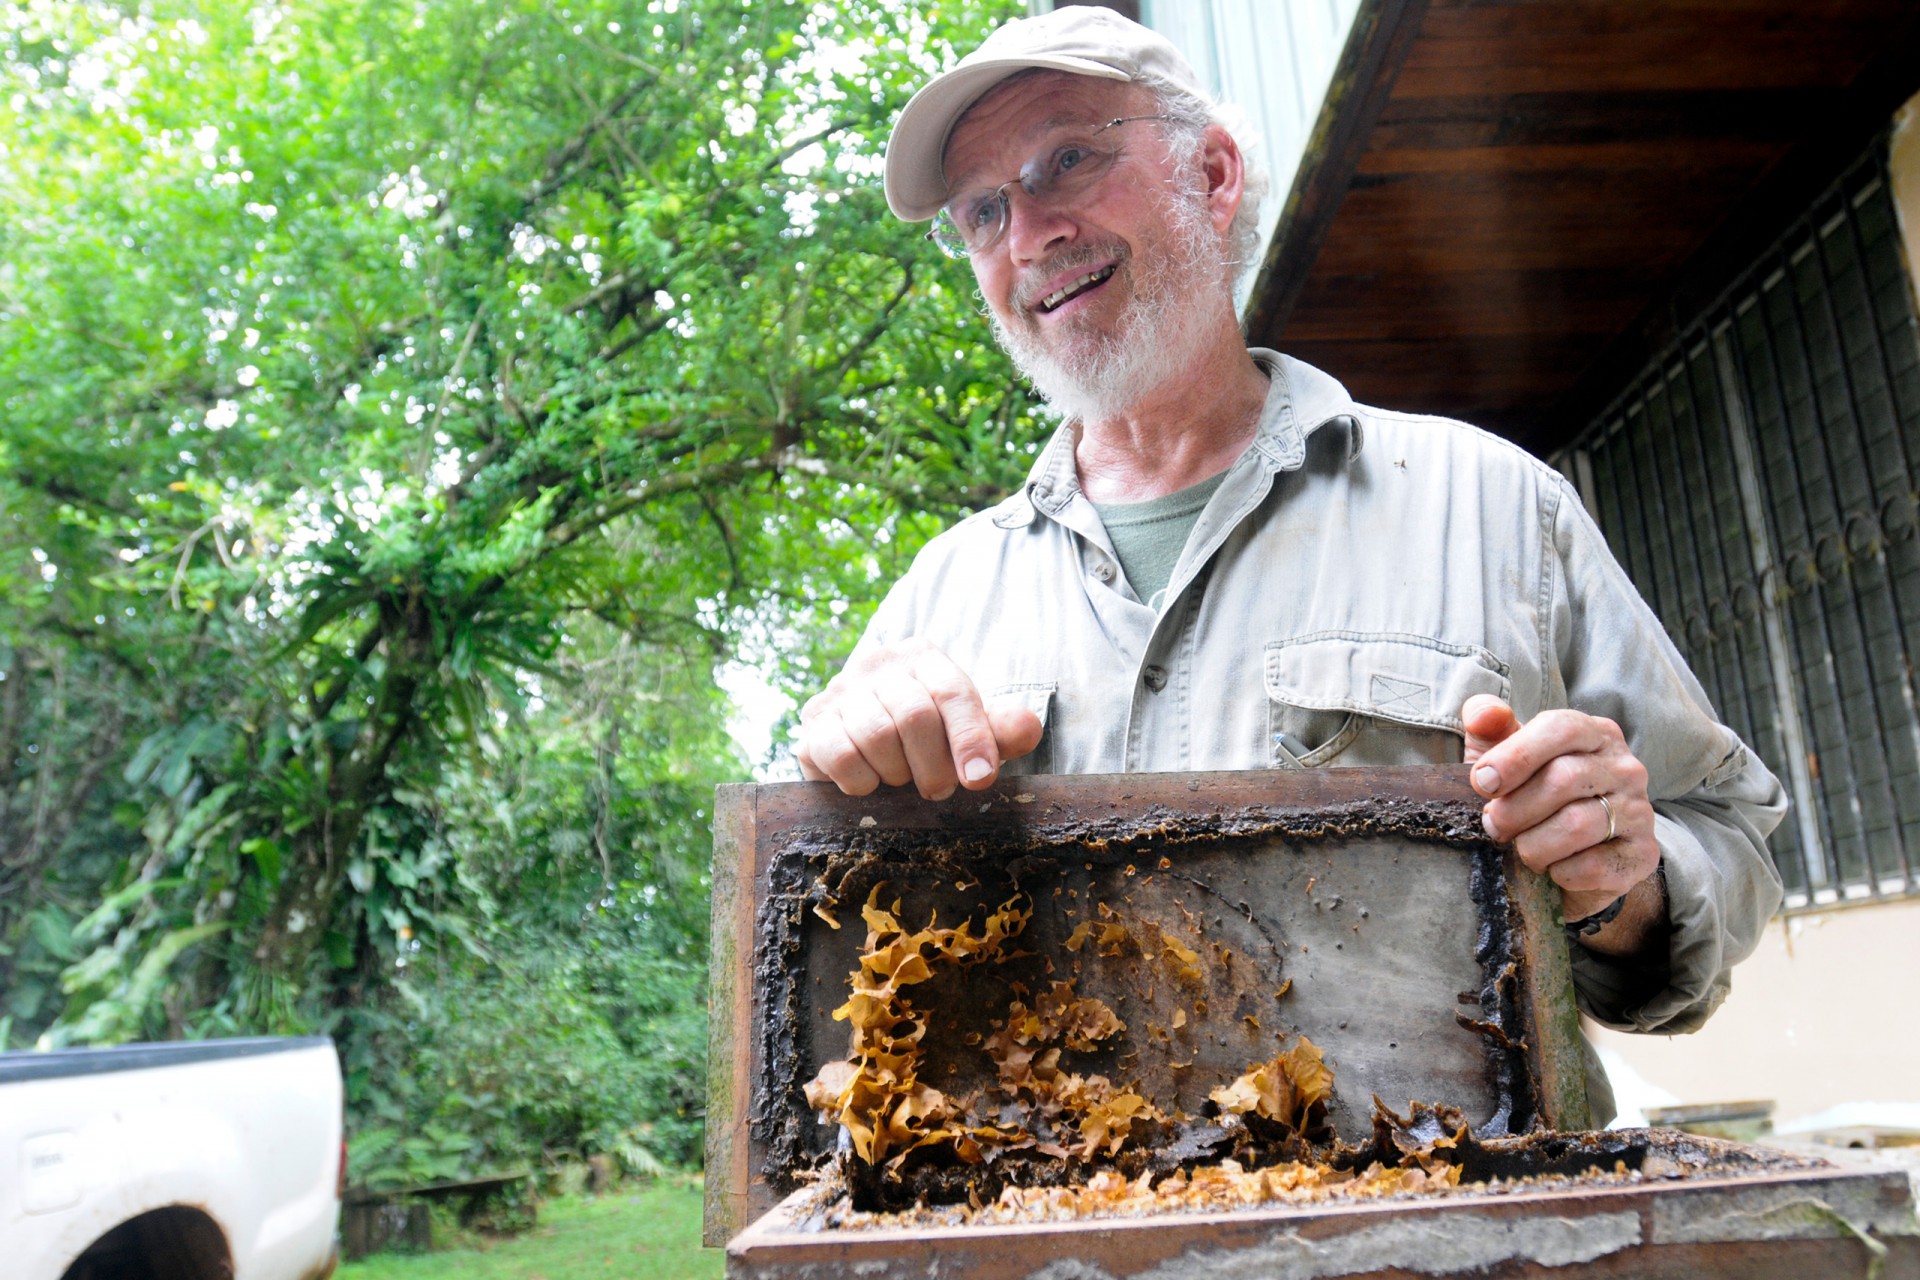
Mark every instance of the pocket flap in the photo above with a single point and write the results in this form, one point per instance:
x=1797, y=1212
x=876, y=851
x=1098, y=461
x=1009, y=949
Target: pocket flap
x=1036, y=697
x=1407, y=678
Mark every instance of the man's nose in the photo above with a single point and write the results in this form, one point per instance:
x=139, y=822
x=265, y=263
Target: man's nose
x=1034, y=226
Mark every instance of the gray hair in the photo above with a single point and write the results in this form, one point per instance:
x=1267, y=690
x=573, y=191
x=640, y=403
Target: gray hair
x=1189, y=115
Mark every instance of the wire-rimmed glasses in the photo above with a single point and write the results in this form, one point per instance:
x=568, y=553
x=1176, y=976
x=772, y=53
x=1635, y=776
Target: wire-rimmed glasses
x=973, y=221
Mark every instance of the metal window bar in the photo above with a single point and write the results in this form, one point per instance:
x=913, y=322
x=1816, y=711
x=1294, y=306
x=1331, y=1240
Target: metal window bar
x=1907, y=749
x=1884, y=629
x=1812, y=826
x=1757, y=480
x=1838, y=789
x=1735, y=654
x=1855, y=656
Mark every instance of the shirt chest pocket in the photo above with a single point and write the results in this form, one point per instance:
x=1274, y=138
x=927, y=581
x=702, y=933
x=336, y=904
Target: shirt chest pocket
x=1037, y=697
x=1372, y=698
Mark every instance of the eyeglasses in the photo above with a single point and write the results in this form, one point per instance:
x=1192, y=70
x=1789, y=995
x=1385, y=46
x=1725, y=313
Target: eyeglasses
x=974, y=221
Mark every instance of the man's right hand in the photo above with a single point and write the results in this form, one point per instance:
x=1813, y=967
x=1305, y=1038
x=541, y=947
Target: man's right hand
x=909, y=714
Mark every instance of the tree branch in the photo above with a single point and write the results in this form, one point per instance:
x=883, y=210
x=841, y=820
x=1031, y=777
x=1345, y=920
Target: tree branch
x=878, y=327
x=726, y=538
x=570, y=151
x=323, y=705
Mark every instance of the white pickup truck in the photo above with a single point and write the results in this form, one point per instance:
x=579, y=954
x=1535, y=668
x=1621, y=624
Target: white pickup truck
x=188, y=1161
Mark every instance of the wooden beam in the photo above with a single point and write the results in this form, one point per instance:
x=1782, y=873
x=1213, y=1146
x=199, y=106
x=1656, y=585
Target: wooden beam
x=1382, y=35
x=1831, y=143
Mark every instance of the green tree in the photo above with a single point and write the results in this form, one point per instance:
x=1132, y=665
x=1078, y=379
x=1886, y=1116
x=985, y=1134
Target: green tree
x=378, y=376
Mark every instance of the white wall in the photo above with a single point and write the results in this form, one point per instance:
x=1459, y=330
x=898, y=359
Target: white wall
x=1271, y=58
x=1825, y=1012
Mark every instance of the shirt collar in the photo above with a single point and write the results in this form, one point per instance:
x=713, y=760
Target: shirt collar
x=1300, y=401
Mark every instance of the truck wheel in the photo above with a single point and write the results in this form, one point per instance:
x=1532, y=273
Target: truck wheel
x=175, y=1243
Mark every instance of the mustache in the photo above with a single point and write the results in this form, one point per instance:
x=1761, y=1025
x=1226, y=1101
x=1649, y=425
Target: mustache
x=1033, y=284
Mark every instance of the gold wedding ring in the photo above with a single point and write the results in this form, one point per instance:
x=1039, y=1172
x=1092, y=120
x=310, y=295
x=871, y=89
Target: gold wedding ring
x=1609, y=812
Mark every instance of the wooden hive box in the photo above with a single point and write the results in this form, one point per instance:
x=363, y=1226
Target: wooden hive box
x=1362, y=909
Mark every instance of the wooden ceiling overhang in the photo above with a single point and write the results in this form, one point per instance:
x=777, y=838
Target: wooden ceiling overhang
x=1502, y=196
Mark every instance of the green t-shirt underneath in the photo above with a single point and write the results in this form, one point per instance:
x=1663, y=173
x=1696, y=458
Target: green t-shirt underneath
x=1149, y=536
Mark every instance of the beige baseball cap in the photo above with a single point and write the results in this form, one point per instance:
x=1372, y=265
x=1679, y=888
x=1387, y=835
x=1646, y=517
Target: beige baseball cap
x=1084, y=39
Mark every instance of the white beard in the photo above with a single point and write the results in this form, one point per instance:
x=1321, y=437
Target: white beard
x=1157, y=336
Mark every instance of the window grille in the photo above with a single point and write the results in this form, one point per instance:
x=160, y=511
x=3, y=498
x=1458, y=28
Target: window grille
x=1758, y=482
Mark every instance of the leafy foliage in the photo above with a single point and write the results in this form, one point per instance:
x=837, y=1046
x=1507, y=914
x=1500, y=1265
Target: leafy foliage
x=407, y=406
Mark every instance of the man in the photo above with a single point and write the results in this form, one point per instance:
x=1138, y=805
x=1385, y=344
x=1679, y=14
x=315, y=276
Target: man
x=1222, y=562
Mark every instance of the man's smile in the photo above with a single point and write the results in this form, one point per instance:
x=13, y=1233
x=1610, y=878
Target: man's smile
x=1078, y=285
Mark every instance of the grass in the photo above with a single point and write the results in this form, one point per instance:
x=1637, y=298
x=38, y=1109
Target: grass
x=651, y=1232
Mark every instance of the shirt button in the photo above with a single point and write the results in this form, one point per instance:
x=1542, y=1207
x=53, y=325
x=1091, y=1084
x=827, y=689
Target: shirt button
x=1156, y=678
x=1103, y=571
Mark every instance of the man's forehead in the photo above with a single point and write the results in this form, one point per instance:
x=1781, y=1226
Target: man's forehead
x=1016, y=113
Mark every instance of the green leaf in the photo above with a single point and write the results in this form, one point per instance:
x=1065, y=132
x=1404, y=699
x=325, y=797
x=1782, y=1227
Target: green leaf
x=340, y=949
x=96, y=923
x=54, y=932
x=266, y=854
x=153, y=967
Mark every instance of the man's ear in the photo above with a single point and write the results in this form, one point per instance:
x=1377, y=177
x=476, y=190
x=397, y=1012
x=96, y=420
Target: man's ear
x=1225, y=171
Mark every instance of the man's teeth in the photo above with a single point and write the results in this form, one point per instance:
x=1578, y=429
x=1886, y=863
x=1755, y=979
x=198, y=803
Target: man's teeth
x=1084, y=283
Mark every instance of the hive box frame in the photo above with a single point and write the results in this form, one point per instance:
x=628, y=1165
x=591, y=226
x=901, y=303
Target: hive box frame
x=1789, y=1225
x=773, y=844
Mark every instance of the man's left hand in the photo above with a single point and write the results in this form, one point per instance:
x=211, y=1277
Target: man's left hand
x=1544, y=781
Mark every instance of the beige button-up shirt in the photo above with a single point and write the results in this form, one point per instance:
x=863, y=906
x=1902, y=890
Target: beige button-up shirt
x=1357, y=575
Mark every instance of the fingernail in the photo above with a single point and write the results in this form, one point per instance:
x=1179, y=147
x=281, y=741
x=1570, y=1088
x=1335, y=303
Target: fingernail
x=977, y=769
x=1486, y=825
x=1487, y=779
